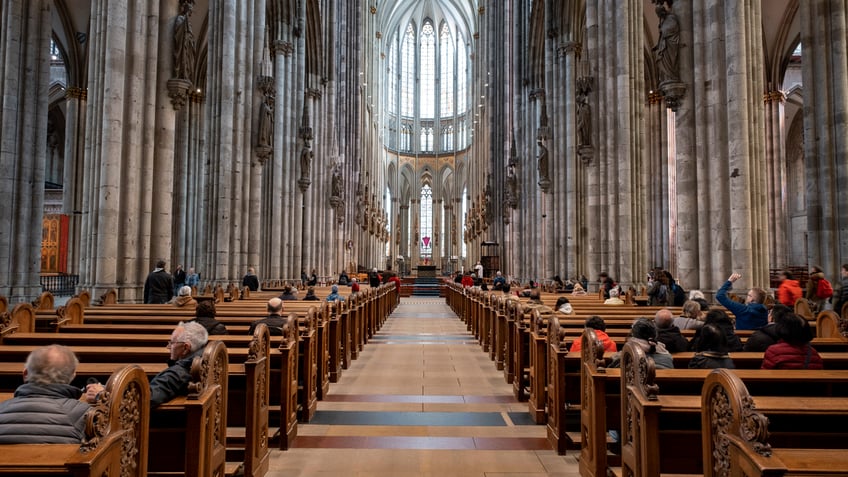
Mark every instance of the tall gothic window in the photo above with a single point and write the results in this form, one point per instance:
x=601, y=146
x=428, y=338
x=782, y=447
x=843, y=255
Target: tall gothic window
x=427, y=86
x=426, y=222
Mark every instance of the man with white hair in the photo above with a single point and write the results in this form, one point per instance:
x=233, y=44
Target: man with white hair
x=187, y=341
x=669, y=334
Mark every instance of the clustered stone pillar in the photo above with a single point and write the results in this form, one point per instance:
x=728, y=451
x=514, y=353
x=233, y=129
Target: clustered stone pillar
x=776, y=162
x=721, y=166
x=72, y=180
x=126, y=222
x=23, y=134
x=617, y=232
x=823, y=29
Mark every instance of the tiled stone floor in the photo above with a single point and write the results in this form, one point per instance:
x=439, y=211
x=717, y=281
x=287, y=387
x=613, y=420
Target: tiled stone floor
x=422, y=399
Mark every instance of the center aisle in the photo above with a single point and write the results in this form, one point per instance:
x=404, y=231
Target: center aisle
x=422, y=399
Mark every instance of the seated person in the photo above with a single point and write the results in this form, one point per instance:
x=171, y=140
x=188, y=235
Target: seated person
x=668, y=334
x=749, y=315
x=288, y=293
x=313, y=279
x=535, y=297
x=614, y=299
x=720, y=319
x=467, y=280
x=644, y=334
x=354, y=287
x=578, y=290
x=184, y=298
x=275, y=321
x=558, y=283
x=499, y=281
x=564, y=306
x=334, y=294
x=205, y=315
x=310, y=295
x=187, y=342
x=691, y=318
x=711, y=351
x=794, y=350
x=600, y=326
x=343, y=278
x=46, y=409
x=766, y=336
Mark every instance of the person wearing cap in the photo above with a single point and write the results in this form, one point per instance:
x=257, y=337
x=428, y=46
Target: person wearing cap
x=184, y=298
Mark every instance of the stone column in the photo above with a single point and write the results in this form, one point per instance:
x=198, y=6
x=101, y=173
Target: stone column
x=776, y=163
x=661, y=209
x=823, y=30
x=73, y=177
x=24, y=81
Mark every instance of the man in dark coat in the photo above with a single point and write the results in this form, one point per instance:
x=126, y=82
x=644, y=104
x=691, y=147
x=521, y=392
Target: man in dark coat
x=159, y=286
x=668, y=334
x=251, y=281
x=46, y=409
x=275, y=319
x=187, y=341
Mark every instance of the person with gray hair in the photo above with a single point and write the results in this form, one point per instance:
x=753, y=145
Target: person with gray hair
x=184, y=298
x=187, y=341
x=46, y=409
x=275, y=319
x=669, y=334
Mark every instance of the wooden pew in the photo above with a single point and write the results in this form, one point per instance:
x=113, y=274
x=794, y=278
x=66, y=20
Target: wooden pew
x=736, y=431
x=188, y=434
x=116, y=441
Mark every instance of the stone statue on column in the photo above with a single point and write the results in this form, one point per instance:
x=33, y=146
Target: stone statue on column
x=306, y=153
x=585, y=149
x=667, y=54
x=543, y=165
x=184, y=47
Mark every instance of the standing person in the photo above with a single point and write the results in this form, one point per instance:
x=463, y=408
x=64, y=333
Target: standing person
x=789, y=291
x=607, y=284
x=159, y=286
x=374, y=279
x=46, y=409
x=819, y=290
x=478, y=269
x=313, y=279
x=842, y=298
x=303, y=277
x=179, y=278
x=250, y=280
x=187, y=341
x=192, y=278
x=750, y=315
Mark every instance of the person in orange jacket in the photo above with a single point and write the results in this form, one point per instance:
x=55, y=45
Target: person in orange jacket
x=599, y=325
x=789, y=290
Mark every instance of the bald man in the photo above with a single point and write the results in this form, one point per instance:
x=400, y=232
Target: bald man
x=275, y=319
x=669, y=334
x=47, y=409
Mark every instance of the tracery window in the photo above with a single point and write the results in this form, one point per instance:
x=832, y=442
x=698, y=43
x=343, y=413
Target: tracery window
x=426, y=245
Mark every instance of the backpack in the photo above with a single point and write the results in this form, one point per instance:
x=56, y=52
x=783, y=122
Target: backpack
x=679, y=295
x=662, y=294
x=824, y=290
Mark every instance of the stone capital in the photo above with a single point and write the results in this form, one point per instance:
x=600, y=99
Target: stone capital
x=774, y=96
x=569, y=47
x=285, y=48
x=76, y=93
x=178, y=90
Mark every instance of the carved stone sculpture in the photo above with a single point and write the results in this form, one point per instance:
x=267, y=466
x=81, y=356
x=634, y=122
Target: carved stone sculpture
x=184, y=47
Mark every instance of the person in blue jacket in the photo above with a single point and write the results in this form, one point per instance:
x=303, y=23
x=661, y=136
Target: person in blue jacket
x=750, y=315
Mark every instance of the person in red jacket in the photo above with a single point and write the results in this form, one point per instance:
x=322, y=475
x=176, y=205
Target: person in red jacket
x=789, y=290
x=599, y=325
x=793, y=350
x=467, y=281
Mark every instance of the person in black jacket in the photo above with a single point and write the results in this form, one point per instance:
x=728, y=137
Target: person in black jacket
x=205, y=315
x=46, y=409
x=842, y=298
x=159, y=286
x=711, y=351
x=720, y=319
x=275, y=321
x=668, y=334
x=766, y=336
x=250, y=280
x=187, y=341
